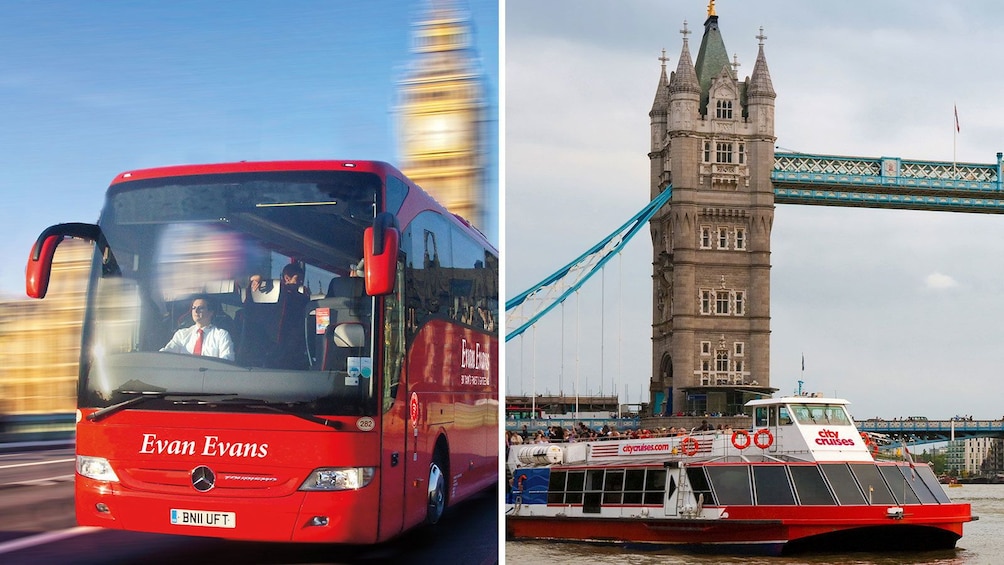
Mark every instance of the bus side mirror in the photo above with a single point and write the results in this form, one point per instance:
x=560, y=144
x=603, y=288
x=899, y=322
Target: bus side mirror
x=380, y=248
x=36, y=275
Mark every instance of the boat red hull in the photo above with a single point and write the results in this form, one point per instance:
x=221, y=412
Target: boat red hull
x=765, y=529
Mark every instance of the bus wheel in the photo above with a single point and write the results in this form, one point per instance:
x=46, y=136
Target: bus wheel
x=437, y=490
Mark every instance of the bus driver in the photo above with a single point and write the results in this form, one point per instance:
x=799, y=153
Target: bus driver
x=202, y=338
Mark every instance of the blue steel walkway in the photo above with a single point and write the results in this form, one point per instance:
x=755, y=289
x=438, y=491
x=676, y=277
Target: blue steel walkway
x=887, y=182
x=925, y=431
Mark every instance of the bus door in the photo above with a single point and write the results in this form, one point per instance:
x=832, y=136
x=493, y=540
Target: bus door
x=396, y=426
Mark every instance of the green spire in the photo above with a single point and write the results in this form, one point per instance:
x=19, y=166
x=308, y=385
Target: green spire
x=711, y=57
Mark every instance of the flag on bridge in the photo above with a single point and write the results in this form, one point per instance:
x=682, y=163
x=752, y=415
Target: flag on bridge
x=957, y=130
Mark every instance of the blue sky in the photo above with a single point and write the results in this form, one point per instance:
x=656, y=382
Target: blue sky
x=90, y=89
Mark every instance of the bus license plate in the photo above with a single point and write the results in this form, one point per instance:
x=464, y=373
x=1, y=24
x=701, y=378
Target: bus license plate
x=203, y=518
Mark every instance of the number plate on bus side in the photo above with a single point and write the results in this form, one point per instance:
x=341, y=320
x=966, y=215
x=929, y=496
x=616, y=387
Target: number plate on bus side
x=203, y=518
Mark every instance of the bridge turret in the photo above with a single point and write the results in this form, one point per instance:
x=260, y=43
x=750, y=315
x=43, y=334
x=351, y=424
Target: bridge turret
x=760, y=97
x=657, y=115
x=659, y=108
x=684, y=115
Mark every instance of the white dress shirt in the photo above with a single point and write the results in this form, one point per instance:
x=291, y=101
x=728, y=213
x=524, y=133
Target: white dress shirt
x=216, y=342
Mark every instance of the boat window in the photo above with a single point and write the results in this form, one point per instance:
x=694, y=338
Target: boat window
x=927, y=475
x=613, y=487
x=655, y=486
x=593, y=495
x=760, y=416
x=556, y=488
x=898, y=484
x=783, y=418
x=772, y=486
x=731, y=484
x=700, y=486
x=634, y=486
x=820, y=414
x=801, y=414
x=872, y=484
x=844, y=486
x=573, y=490
x=810, y=486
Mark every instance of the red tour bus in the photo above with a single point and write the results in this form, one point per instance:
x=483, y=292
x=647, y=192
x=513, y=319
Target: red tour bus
x=357, y=394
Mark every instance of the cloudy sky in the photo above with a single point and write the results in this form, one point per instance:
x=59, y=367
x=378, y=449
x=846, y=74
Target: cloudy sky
x=897, y=311
x=91, y=89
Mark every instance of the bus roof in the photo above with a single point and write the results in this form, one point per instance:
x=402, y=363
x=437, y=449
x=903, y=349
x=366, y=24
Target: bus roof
x=377, y=167
x=254, y=167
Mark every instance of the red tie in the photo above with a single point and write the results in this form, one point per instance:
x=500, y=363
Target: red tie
x=198, y=344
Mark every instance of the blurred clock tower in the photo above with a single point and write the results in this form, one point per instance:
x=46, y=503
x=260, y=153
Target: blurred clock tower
x=441, y=112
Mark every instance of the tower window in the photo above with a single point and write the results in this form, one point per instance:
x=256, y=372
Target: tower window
x=723, y=109
x=742, y=153
x=705, y=348
x=723, y=238
x=740, y=308
x=722, y=303
x=705, y=237
x=723, y=153
x=722, y=362
x=705, y=302
x=740, y=348
x=740, y=238
x=707, y=151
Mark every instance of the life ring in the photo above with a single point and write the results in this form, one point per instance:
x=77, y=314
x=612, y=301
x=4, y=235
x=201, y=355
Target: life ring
x=763, y=444
x=689, y=446
x=741, y=439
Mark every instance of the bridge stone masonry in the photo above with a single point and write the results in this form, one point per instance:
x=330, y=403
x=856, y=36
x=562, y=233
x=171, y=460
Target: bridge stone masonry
x=713, y=149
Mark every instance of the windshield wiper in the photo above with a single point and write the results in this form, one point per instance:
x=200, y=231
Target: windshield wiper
x=283, y=408
x=143, y=396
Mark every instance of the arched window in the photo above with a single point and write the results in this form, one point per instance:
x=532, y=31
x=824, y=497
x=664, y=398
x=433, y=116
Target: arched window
x=722, y=361
x=723, y=109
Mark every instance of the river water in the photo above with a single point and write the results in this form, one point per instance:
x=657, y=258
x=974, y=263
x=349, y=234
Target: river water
x=982, y=543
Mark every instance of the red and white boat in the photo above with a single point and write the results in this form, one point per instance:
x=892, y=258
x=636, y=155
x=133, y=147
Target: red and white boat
x=801, y=479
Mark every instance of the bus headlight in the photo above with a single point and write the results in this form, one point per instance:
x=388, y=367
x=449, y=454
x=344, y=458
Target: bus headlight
x=338, y=478
x=97, y=468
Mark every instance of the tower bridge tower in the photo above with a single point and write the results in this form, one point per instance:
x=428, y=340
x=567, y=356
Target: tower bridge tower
x=713, y=142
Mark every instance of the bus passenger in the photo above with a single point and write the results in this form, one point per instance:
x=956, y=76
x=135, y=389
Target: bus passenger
x=290, y=349
x=202, y=338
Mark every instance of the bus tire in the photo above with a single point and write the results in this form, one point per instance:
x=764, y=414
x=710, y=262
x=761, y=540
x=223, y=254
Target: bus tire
x=437, y=486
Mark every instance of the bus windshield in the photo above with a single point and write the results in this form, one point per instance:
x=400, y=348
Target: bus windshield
x=273, y=257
